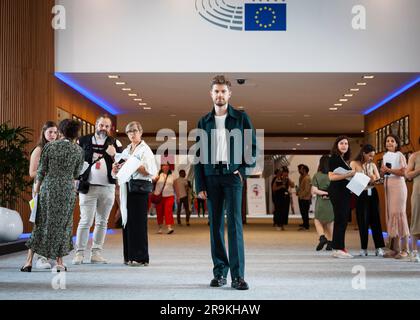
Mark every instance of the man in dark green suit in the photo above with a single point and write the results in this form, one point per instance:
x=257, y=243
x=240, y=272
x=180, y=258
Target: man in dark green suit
x=226, y=143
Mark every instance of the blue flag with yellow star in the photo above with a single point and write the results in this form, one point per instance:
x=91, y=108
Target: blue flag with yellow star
x=265, y=16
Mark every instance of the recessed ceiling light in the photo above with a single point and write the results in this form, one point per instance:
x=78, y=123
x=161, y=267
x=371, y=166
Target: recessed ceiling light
x=354, y=89
x=142, y=104
x=349, y=95
x=294, y=149
x=361, y=83
x=338, y=104
x=120, y=83
x=362, y=131
x=126, y=89
x=306, y=115
x=138, y=99
x=368, y=77
x=241, y=107
x=147, y=108
x=117, y=130
x=113, y=76
x=132, y=95
x=333, y=109
x=300, y=124
x=343, y=100
x=298, y=144
x=173, y=115
x=306, y=138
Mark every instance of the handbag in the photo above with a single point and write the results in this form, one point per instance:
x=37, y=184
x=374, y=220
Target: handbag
x=140, y=186
x=157, y=198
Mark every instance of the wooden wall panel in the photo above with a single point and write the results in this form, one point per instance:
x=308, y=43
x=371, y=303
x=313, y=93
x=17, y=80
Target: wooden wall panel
x=406, y=104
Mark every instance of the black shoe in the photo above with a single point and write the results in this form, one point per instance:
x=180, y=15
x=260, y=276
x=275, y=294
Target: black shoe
x=188, y=224
x=239, y=284
x=218, y=281
x=329, y=246
x=322, y=242
x=301, y=225
x=26, y=269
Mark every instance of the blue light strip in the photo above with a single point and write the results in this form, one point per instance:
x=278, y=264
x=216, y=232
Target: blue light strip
x=392, y=96
x=87, y=94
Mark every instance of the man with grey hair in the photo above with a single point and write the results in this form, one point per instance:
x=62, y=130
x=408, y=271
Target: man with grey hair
x=96, y=199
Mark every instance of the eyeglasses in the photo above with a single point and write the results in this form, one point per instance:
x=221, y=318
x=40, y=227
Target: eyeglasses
x=132, y=131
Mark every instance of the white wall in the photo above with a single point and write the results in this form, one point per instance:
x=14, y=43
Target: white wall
x=170, y=36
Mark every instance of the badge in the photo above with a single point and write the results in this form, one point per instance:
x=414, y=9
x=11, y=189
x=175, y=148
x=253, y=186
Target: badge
x=98, y=165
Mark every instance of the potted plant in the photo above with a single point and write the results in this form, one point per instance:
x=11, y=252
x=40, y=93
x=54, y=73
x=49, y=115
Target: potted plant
x=14, y=164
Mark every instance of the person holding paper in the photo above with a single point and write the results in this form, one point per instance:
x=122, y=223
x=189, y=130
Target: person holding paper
x=49, y=133
x=134, y=201
x=413, y=172
x=339, y=194
x=60, y=164
x=367, y=206
x=394, y=168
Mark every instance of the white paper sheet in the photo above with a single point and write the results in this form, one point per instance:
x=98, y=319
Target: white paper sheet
x=358, y=183
x=34, y=206
x=85, y=166
x=129, y=167
x=342, y=171
x=393, y=158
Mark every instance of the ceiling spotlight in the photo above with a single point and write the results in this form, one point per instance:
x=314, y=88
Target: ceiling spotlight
x=138, y=99
x=306, y=138
x=113, y=76
x=368, y=77
x=362, y=131
x=354, y=89
x=300, y=124
x=349, y=95
x=126, y=89
x=173, y=115
x=147, y=108
x=142, y=104
x=338, y=104
x=333, y=109
x=306, y=115
x=132, y=94
x=343, y=100
x=294, y=149
x=361, y=83
x=298, y=144
x=120, y=83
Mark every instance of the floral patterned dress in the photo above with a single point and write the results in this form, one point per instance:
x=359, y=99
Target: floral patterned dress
x=61, y=162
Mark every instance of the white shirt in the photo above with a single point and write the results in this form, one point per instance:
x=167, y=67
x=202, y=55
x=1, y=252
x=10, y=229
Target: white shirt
x=147, y=159
x=181, y=184
x=221, y=142
x=100, y=176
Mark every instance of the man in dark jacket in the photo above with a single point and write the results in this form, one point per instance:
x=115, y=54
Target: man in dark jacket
x=226, y=143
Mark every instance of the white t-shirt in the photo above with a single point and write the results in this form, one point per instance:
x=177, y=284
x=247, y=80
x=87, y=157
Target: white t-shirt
x=221, y=143
x=181, y=185
x=99, y=172
x=169, y=186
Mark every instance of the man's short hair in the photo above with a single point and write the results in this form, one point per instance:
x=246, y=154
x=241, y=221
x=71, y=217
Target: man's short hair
x=220, y=79
x=103, y=116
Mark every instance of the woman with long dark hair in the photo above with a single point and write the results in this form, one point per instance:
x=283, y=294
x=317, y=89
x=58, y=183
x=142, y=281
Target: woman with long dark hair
x=281, y=197
x=339, y=194
x=396, y=199
x=367, y=206
x=49, y=132
x=60, y=164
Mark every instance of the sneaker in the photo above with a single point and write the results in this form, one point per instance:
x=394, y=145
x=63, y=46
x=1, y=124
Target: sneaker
x=170, y=231
x=97, y=258
x=341, y=254
x=138, y=264
x=78, y=259
x=414, y=257
x=379, y=252
x=42, y=263
x=363, y=253
x=159, y=231
x=322, y=242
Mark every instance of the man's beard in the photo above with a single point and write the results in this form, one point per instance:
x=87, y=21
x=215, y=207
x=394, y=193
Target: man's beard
x=220, y=103
x=102, y=134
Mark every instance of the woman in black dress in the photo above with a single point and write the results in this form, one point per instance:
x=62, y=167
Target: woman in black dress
x=339, y=194
x=281, y=197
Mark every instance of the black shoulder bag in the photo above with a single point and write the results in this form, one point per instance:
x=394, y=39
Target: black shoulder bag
x=84, y=184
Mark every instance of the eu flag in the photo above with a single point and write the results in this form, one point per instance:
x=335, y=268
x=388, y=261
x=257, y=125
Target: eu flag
x=265, y=16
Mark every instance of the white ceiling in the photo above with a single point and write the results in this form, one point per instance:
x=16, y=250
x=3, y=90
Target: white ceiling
x=284, y=103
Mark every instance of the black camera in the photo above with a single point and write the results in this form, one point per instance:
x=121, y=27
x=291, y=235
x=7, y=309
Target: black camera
x=241, y=81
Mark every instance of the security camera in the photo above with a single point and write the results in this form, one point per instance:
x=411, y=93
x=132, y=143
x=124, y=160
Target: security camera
x=241, y=81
